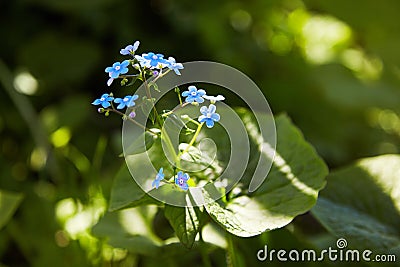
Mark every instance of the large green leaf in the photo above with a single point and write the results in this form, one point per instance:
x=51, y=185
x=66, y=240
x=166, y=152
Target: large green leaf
x=140, y=144
x=126, y=192
x=290, y=189
x=362, y=204
x=185, y=221
x=9, y=202
x=130, y=229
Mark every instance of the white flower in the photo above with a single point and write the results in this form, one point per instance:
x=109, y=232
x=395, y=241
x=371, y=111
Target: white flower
x=214, y=99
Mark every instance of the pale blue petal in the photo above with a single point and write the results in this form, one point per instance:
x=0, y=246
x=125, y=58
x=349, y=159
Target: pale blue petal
x=203, y=110
x=212, y=108
x=192, y=88
x=202, y=118
x=199, y=99
x=215, y=117
x=121, y=106
x=201, y=92
x=109, y=81
x=124, y=63
x=190, y=99
x=136, y=46
x=184, y=186
x=96, y=102
x=105, y=104
x=209, y=123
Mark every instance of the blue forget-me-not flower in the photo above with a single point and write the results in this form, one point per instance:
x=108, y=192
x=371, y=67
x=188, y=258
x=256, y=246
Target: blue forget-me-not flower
x=155, y=60
x=209, y=116
x=127, y=101
x=159, y=177
x=130, y=49
x=173, y=65
x=117, y=69
x=181, y=180
x=104, y=101
x=194, y=95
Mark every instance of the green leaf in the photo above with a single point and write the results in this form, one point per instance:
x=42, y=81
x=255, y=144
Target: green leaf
x=291, y=188
x=361, y=203
x=146, y=107
x=140, y=144
x=9, y=202
x=193, y=154
x=133, y=80
x=129, y=229
x=125, y=192
x=155, y=86
x=185, y=221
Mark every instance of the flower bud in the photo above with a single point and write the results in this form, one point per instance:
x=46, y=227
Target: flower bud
x=132, y=115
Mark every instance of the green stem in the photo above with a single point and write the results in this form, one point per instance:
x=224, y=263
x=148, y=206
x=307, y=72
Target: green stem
x=203, y=251
x=164, y=134
x=146, y=84
x=166, y=114
x=193, y=139
x=231, y=259
x=168, y=142
x=193, y=121
x=160, y=75
x=131, y=120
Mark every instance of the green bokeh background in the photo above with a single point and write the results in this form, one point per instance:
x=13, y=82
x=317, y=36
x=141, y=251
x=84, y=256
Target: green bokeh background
x=332, y=66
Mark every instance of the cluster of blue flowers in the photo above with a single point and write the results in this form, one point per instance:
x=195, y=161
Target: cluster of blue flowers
x=147, y=61
x=181, y=180
x=106, y=101
x=154, y=64
x=209, y=117
x=194, y=96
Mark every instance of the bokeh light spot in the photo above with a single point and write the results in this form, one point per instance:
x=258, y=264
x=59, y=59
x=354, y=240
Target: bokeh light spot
x=61, y=137
x=25, y=83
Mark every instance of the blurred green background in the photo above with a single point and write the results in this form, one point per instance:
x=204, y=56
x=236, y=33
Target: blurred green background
x=332, y=66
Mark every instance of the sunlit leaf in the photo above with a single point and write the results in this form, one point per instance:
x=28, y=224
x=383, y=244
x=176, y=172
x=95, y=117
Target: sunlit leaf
x=290, y=189
x=185, y=221
x=126, y=192
x=140, y=144
x=129, y=229
x=361, y=203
